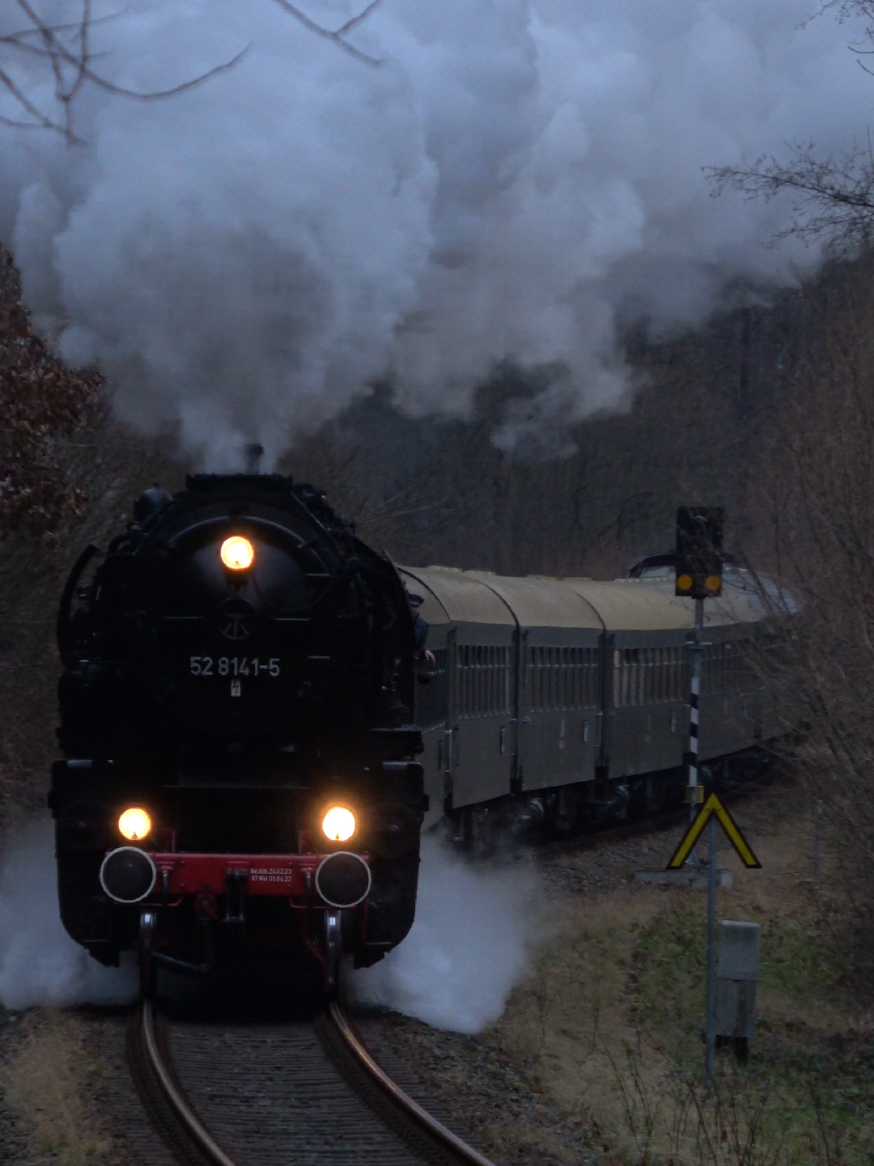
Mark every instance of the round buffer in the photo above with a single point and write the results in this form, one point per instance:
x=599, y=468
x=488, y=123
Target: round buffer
x=343, y=879
x=127, y=874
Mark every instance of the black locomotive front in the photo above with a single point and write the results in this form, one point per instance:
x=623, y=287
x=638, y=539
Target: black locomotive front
x=235, y=715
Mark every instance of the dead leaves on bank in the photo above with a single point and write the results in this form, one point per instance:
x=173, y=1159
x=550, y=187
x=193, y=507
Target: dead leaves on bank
x=42, y=402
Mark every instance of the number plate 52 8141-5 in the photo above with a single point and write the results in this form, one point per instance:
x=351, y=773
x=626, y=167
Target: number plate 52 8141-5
x=234, y=666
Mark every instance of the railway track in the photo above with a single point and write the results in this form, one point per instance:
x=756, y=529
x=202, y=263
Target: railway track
x=303, y=1092
x=291, y=1093
x=731, y=793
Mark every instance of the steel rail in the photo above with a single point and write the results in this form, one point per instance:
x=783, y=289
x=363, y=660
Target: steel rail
x=180, y=1106
x=207, y=1145
x=468, y=1153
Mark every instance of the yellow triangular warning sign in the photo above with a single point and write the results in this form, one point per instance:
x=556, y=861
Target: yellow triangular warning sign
x=713, y=806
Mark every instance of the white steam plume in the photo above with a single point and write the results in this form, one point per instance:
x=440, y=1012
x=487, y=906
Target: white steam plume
x=475, y=931
x=39, y=962
x=244, y=258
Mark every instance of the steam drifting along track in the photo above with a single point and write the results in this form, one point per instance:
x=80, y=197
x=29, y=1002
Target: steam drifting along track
x=281, y=1094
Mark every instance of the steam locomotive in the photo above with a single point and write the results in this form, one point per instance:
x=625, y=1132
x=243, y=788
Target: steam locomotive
x=249, y=760
x=236, y=714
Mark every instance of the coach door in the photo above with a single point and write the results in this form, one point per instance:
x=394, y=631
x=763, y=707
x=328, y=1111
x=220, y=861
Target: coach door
x=480, y=751
x=433, y=715
x=562, y=700
x=649, y=701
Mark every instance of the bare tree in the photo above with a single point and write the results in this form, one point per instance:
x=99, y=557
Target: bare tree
x=833, y=193
x=65, y=51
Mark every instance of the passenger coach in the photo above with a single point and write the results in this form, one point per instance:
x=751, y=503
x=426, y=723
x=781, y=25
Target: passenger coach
x=567, y=699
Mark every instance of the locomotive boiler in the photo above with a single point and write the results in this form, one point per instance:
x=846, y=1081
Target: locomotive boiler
x=236, y=719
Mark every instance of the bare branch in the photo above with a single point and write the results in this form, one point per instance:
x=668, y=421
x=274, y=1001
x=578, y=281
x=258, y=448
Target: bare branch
x=335, y=35
x=834, y=196
x=71, y=69
x=354, y=21
x=29, y=107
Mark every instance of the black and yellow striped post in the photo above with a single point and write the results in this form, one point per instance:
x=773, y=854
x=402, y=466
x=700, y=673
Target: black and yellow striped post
x=691, y=758
x=698, y=576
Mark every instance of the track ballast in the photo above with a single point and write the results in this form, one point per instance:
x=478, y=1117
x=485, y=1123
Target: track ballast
x=284, y=1093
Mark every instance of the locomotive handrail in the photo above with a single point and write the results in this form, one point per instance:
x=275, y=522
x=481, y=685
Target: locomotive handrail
x=62, y=628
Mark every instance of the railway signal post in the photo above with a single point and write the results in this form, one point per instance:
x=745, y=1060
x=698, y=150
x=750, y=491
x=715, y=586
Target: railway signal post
x=698, y=576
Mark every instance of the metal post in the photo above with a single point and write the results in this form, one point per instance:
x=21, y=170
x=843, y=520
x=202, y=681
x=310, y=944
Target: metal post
x=710, y=1021
x=692, y=755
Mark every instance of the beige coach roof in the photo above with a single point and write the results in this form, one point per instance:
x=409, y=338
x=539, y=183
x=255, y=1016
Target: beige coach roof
x=454, y=596
x=542, y=603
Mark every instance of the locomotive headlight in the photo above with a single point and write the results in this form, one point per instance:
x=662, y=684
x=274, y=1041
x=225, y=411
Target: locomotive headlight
x=237, y=553
x=338, y=824
x=135, y=824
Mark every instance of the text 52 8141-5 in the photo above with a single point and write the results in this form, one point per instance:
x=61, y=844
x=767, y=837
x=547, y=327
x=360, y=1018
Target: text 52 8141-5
x=234, y=666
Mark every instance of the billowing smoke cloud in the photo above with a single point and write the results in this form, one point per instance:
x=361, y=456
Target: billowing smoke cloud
x=39, y=962
x=243, y=259
x=476, y=929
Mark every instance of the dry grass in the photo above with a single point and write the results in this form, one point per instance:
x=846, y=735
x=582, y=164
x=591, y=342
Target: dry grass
x=45, y=1082
x=610, y=1026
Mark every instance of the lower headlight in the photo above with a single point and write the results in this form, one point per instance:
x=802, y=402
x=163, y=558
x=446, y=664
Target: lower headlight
x=135, y=824
x=338, y=824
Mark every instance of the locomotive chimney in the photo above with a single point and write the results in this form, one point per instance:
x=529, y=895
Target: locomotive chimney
x=254, y=453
